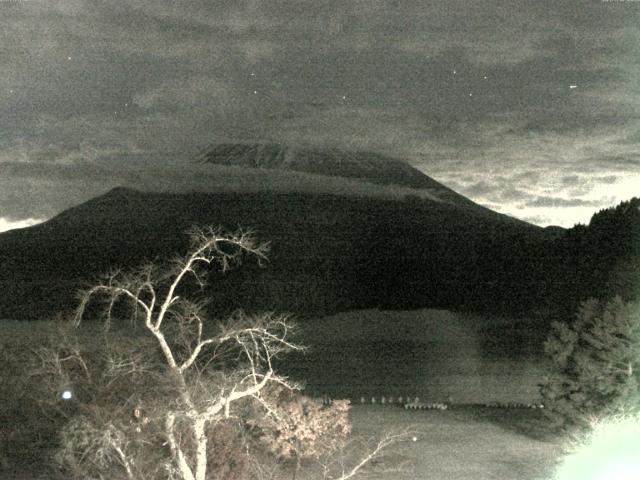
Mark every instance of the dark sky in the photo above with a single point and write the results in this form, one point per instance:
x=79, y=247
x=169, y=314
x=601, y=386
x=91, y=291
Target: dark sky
x=529, y=107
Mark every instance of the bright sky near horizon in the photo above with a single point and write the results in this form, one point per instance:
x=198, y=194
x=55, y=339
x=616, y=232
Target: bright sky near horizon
x=529, y=108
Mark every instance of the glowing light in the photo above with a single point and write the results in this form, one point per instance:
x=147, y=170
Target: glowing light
x=66, y=395
x=612, y=451
x=573, y=86
x=6, y=224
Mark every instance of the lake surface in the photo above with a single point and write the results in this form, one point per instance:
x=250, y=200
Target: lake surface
x=435, y=355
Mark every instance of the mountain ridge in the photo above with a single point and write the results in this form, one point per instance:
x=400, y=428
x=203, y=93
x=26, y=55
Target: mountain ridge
x=333, y=162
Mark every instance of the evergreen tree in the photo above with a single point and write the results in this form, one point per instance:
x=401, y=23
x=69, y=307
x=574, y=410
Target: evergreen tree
x=594, y=363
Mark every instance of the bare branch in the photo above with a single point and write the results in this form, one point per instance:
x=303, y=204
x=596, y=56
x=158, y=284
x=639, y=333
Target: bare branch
x=112, y=292
x=177, y=452
x=194, y=355
x=382, y=444
x=207, y=248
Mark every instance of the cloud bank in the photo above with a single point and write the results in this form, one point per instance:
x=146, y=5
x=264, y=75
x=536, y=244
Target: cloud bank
x=527, y=107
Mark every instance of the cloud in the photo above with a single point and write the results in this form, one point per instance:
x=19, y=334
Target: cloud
x=179, y=94
x=107, y=84
x=561, y=202
x=6, y=224
x=538, y=219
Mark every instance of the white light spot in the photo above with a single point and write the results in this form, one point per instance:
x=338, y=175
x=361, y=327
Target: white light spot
x=344, y=97
x=573, y=86
x=68, y=58
x=454, y=72
x=415, y=439
x=66, y=395
x=255, y=92
x=6, y=224
x=253, y=74
x=471, y=94
x=485, y=77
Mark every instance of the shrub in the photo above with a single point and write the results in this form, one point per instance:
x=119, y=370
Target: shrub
x=298, y=427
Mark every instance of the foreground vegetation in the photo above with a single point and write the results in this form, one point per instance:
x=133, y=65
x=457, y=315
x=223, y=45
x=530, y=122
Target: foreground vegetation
x=469, y=442
x=163, y=392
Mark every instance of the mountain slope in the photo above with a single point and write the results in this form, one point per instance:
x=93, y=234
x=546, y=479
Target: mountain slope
x=366, y=166
x=330, y=253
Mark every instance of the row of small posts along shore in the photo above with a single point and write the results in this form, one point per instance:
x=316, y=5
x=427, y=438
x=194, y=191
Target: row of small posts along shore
x=414, y=403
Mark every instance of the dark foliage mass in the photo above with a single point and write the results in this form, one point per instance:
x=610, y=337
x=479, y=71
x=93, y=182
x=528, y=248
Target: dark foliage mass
x=594, y=364
x=332, y=253
x=602, y=260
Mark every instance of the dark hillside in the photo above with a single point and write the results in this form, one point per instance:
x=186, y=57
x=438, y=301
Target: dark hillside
x=329, y=253
x=601, y=259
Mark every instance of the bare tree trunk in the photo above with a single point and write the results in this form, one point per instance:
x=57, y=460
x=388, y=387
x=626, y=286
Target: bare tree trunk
x=176, y=451
x=201, y=449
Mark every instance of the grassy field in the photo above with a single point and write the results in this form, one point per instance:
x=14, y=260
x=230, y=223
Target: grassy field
x=459, y=444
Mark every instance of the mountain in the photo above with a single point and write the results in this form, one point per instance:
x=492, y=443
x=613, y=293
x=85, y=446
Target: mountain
x=331, y=251
x=361, y=165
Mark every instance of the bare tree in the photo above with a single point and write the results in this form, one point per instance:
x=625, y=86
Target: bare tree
x=189, y=346
x=152, y=397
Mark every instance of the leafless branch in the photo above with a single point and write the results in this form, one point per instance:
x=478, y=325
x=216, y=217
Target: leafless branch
x=377, y=450
x=177, y=326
